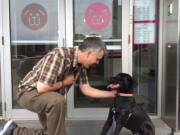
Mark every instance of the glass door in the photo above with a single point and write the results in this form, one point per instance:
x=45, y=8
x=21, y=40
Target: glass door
x=36, y=27
x=109, y=20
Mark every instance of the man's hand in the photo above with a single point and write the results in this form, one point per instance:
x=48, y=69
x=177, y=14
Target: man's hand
x=69, y=79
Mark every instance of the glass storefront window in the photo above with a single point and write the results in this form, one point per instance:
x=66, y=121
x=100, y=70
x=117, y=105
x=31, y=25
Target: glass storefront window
x=34, y=32
x=145, y=53
x=145, y=72
x=102, y=19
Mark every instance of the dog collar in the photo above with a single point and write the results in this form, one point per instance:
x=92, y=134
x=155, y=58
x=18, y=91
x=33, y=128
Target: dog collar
x=125, y=94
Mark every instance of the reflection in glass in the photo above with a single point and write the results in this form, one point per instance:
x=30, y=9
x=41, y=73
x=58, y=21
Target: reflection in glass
x=145, y=72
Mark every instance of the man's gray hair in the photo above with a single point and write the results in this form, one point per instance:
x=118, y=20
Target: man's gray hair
x=92, y=43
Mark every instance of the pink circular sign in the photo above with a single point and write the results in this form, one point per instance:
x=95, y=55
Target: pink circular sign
x=97, y=16
x=34, y=16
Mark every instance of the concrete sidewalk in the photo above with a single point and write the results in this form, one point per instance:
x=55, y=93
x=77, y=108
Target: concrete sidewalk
x=91, y=127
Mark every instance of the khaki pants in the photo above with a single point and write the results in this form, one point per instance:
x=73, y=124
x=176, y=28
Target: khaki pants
x=49, y=106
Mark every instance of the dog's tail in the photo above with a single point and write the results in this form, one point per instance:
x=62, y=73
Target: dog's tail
x=147, y=128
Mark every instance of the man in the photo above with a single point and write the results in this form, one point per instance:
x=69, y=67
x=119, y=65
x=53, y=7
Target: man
x=42, y=89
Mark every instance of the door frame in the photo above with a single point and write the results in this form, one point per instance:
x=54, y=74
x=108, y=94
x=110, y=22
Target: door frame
x=127, y=24
x=1, y=61
x=6, y=65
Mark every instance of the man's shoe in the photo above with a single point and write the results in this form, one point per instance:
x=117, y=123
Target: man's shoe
x=8, y=128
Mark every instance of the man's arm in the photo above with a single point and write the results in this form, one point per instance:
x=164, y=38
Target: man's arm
x=96, y=93
x=41, y=87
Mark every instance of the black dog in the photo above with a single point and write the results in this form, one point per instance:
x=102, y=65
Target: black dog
x=125, y=110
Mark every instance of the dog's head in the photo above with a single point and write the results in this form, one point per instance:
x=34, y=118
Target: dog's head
x=124, y=83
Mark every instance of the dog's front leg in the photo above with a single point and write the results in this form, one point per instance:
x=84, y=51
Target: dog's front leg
x=121, y=119
x=119, y=126
x=108, y=123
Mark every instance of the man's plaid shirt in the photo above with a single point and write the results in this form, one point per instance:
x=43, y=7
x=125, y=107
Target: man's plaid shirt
x=53, y=67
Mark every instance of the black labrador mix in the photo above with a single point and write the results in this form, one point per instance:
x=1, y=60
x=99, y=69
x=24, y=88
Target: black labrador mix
x=125, y=111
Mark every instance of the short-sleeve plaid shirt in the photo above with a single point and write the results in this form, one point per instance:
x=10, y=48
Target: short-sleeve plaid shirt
x=53, y=67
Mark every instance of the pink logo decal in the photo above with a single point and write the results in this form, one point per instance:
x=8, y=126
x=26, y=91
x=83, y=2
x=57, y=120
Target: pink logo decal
x=34, y=16
x=97, y=16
